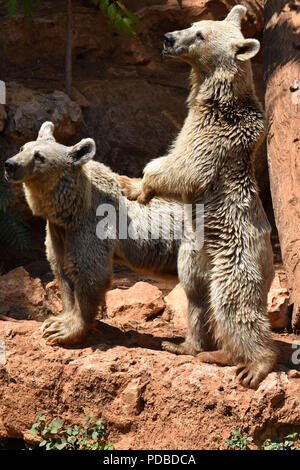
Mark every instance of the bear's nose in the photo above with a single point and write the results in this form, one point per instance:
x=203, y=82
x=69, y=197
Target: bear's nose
x=10, y=166
x=169, y=40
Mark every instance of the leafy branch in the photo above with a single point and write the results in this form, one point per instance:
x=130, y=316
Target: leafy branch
x=54, y=436
x=122, y=19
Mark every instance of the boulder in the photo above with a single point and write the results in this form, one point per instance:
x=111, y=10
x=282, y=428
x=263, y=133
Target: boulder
x=281, y=53
x=25, y=297
x=176, y=307
x=147, y=398
x=28, y=109
x=278, y=303
x=21, y=294
x=140, y=302
x=53, y=298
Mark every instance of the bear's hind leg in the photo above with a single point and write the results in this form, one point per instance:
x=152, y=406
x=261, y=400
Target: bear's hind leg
x=198, y=337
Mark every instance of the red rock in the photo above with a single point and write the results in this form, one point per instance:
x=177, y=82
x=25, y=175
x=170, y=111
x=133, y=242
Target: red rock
x=53, y=297
x=281, y=52
x=139, y=302
x=20, y=292
x=278, y=303
x=148, y=399
x=176, y=307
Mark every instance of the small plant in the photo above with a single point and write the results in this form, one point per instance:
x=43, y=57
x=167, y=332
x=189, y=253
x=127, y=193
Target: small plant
x=89, y=436
x=238, y=441
x=289, y=443
x=14, y=230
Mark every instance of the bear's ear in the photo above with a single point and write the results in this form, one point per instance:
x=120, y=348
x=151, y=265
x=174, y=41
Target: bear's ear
x=82, y=152
x=245, y=49
x=236, y=15
x=46, y=131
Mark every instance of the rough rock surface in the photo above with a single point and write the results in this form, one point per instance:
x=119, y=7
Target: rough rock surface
x=281, y=54
x=278, y=303
x=20, y=293
x=141, y=302
x=176, y=306
x=148, y=398
x=28, y=109
x=132, y=100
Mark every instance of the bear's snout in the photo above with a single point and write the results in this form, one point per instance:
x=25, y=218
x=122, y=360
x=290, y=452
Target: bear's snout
x=10, y=168
x=169, y=40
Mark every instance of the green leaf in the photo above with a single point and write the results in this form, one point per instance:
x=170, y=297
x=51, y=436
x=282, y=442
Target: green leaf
x=55, y=426
x=112, y=13
x=35, y=428
x=49, y=445
x=12, y=6
x=61, y=444
x=43, y=443
x=104, y=5
x=27, y=4
x=127, y=27
x=75, y=430
x=72, y=439
x=134, y=19
x=118, y=22
x=109, y=446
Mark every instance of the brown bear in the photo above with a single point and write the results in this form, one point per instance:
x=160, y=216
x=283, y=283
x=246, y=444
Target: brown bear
x=90, y=224
x=212, y=162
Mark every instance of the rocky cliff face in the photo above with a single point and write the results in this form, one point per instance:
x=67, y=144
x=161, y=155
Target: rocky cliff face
x=148, y=398
x=132, y=100
x=281, y=51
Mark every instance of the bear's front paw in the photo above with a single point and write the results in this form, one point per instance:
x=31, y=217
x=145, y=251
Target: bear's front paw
x=130, y=188
x=64, y=329
x=146, y=195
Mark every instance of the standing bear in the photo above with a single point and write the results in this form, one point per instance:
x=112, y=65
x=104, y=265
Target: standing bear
x=211, y=162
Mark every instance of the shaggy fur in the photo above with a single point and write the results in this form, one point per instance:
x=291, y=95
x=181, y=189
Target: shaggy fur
x=212, y=162
x=65, y=187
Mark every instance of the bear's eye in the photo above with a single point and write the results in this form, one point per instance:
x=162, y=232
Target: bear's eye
x=38, y=157
x=199, y=35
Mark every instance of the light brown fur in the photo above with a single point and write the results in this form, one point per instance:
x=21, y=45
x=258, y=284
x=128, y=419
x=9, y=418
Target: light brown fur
x=64, y=186
x=212, y=162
